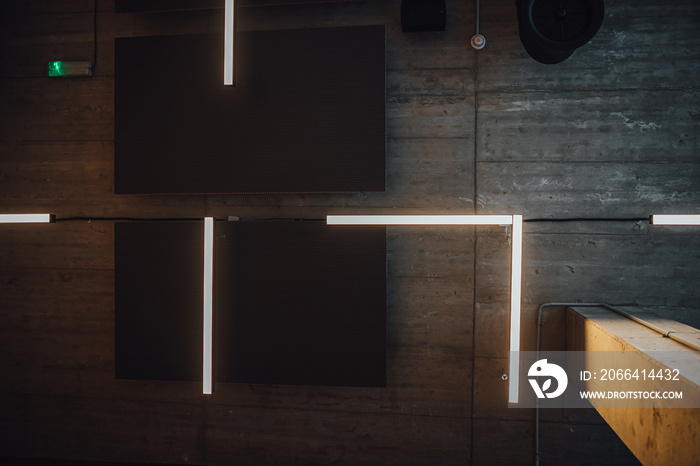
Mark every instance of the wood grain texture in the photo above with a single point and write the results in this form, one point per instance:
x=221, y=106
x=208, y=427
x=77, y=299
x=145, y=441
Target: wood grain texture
x=624, y=54
x=303, y=437
x=554, y=189
x=412, y=166
x=629, y=263
x=589, y=127
x=613, y=132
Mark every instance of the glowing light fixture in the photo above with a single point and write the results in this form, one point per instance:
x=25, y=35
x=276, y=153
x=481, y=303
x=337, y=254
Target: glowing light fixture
x=26, y=218
x=516, y=265
x=675, y=220
x=69, y=69
x=419, y=219
x=208, y=303
x=229, y=36
x=515, y=296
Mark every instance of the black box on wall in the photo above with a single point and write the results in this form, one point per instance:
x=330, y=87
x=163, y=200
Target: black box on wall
x=423, y=15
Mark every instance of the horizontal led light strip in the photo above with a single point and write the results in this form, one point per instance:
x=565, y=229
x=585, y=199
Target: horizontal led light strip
x=26, y=218
x=229, y=33
x=675, y=220
x=419, y=220
x=208, y=303
x=516, y=265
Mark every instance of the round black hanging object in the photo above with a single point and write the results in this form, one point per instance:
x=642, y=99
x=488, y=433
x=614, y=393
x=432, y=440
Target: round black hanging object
x=551, y=30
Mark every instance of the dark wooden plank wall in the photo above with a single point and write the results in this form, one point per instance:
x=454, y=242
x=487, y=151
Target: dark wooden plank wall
x=613, y=131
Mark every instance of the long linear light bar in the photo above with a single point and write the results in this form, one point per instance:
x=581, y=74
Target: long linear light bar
x=419, y=219
x=675, y=219
x=208, y=303
x=229, y=35
x=516, y=266
x=515, y=298
x=26, y=218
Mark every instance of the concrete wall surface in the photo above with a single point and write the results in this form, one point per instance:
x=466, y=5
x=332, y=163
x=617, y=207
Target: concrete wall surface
x=610, y=133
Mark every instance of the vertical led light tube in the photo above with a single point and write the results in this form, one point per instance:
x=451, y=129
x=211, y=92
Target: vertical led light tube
x=208, y=303
x=229, y=35
x=515, y=297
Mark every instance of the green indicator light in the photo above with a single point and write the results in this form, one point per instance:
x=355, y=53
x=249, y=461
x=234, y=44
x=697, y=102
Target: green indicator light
x=68, y=69
x=56, y=69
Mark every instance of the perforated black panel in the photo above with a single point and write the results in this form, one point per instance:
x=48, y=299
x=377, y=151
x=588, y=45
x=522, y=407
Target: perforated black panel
x=301, y=304
x=158, y=300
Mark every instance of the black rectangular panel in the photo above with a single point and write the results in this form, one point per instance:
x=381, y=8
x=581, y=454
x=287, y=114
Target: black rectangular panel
x=301, y=303
x=159, y=294
x=133, y=6
x=307, y=113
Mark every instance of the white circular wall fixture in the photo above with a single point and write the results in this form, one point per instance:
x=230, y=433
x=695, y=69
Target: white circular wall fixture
x=478, y=41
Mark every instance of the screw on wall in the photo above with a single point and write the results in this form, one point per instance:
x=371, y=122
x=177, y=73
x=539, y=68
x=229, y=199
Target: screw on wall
x=478, y=41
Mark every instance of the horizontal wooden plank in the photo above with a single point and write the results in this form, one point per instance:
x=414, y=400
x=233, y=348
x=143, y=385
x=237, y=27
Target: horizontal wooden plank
x=624, y=53
x=414, y=387
x=76, y=179
x=51, y=6
x=491, y=392
x=453, y=401
x=549, y=225
x=492, y=329
x=684, y=314
x=560, y=443
x=48, y=183
x=653, y=269
x=404, y=51
x=16, y=153
x=58, y=338
x=77, y=428
x=78, y=245
x=431, y=312
x=597, y=442
x=587, y=189
x=440, y=368
x=42, y=109
x=412, y=166
x=498, y=441
x=647, y=267
x=299, y=438
x=434, y=82
x=66, y=32
x=432, y=251
x=615, y=126
x=429, y=117
x=419, y=383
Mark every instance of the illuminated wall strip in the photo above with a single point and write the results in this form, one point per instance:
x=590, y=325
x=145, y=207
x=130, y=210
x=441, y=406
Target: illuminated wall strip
x=25, y=218
x=229, y=35
x=419, y=219
x=515, y=298
x=675, y=220
x=208, y=303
